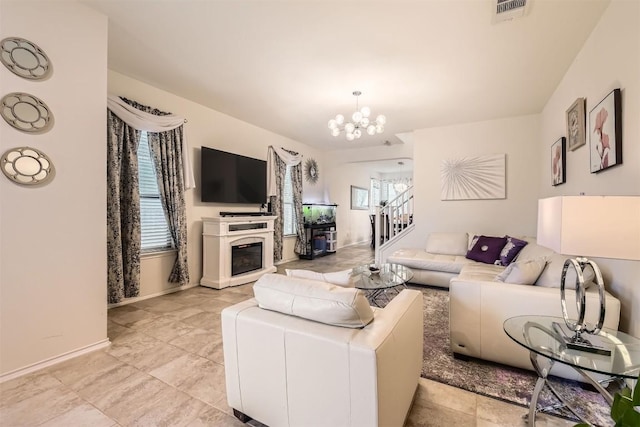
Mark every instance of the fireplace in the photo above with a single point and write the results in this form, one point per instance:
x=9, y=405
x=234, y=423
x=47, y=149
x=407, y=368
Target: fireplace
x=245, y=258
x=236, y=250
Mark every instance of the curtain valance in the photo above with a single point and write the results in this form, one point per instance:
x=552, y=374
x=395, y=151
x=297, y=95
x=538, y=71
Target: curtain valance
x=143, y=121
x=288, y=157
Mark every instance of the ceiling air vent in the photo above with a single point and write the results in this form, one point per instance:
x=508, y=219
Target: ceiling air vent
x=507, y=10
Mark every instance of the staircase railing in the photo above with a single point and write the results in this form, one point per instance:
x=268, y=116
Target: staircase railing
x=393, y=219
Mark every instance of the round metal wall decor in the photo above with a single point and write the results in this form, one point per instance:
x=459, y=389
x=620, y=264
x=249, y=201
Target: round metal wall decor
x=26, y=112
x=24, y=58
x=27, y=166
x=311, y=171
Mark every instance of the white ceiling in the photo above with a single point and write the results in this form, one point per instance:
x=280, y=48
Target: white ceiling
x=290, y=66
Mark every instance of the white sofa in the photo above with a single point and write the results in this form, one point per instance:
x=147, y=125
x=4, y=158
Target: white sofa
x=479, y=304
x=283, y=369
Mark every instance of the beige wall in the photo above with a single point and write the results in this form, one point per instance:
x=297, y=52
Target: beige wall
x=53, y=238
x=209, y=128
x=609, y=59
x=517, y=138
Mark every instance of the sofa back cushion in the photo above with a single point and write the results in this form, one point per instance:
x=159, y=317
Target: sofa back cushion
x=523, y=272
x=487, y=249
x=447, y=243
x=340, y=278
x=533, y=251
x=313, y=300
x=511, y=249
x=550, y=277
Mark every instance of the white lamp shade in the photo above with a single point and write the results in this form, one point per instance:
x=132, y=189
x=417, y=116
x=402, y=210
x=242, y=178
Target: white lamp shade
x=335, y=132
x=332, y=124
x=379, y=128
x=593, y=226
x=364, y=122
x=366, y=111
x=381, y=120
x=349, y=127
x=340, y=119
x=350, y=137
x=357, y=116
x=357, y=133
x=371, y=130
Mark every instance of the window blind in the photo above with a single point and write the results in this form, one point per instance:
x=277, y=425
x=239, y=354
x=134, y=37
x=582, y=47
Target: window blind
x=155, y=234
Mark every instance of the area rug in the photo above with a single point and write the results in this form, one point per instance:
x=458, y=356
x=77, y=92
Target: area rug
x=502, y=382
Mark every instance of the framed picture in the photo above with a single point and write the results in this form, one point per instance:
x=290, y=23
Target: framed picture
x=576, y=125
x=605, y=133
x=359, y=198
x=558, y=162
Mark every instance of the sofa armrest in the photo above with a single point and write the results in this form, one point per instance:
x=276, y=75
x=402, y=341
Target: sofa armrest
x=479, y=309
x=396, y=336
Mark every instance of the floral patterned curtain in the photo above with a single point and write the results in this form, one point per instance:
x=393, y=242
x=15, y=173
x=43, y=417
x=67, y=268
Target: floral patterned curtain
x=277, y=205
x=296, y=181
x=123, y=201
x=123, y=210
x=166, y=148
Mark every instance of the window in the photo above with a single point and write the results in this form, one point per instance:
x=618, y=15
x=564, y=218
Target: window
x=289, y=222
x=375, y=195
x=154, y=228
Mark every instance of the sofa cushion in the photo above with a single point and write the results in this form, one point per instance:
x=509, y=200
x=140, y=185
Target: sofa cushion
x=477, y=271
x=313, y=300
x=533, y=250
x=550, y=277
x=523, y=272
x=340, y=278
x=511, y=250
x=487, y=249
x=421, y=260
x=447, y=243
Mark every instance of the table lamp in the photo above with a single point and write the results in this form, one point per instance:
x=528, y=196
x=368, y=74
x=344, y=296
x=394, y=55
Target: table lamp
x=595, y=226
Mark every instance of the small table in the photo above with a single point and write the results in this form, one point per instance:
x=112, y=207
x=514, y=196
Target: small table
x=545, y=337
x=375, y=285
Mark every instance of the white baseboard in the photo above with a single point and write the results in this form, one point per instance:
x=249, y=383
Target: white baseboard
x=54, y=360
x=157, y=294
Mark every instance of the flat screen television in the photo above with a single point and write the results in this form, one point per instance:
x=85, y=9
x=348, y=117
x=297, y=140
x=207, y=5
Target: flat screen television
x=232, y=178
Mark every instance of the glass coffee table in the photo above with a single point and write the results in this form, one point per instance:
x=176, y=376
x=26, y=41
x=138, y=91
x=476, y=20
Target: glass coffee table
x=380, y=281
x=613, y=354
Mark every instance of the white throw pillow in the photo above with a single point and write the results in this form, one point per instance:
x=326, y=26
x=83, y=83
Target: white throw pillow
x=448, y=243
x=313, y=300
x=550, y=277
x=523, y=272
x=341, y=278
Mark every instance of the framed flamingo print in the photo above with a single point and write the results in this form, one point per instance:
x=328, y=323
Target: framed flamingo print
x=558, y=162
x=605, y=133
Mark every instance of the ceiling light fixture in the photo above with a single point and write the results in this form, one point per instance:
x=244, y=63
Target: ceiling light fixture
x=359, y=122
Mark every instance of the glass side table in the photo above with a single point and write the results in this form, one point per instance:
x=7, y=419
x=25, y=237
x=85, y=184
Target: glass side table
x=377, y=284
x=546, y=339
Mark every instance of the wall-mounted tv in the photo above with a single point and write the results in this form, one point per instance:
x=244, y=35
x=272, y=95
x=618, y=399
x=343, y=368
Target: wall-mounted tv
x=232, y=178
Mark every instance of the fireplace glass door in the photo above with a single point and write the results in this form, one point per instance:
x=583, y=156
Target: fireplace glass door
x=245, y=258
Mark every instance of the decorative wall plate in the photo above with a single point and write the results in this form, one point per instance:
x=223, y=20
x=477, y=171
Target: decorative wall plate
x=27, y=166
x=26, y=112
x=24, y=58
x=311, y=171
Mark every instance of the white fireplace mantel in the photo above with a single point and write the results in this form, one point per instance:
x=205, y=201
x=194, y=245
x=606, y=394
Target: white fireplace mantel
x=219, y=234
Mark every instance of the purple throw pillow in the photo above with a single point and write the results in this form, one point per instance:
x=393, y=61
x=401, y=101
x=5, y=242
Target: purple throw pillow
x=510, y=250
x=487, y=249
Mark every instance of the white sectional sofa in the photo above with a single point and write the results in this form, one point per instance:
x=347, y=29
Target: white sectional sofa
x=308, y=353
x=479, y=303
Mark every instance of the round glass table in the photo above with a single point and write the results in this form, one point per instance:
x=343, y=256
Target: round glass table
x=548, y=339
x=380, y=281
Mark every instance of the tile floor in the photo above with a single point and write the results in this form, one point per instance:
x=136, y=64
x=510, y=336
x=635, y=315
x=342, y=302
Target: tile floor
x=165, y=368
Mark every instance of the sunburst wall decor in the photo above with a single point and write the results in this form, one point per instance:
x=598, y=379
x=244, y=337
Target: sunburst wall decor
x=473, y=178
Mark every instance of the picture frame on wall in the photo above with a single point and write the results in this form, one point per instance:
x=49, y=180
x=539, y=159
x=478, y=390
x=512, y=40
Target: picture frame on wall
x=558, y=162
x=576, y=126
x=605, y=133
x=359, y=198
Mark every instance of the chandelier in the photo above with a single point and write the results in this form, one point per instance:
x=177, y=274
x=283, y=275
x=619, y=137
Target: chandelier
x=359, y=122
